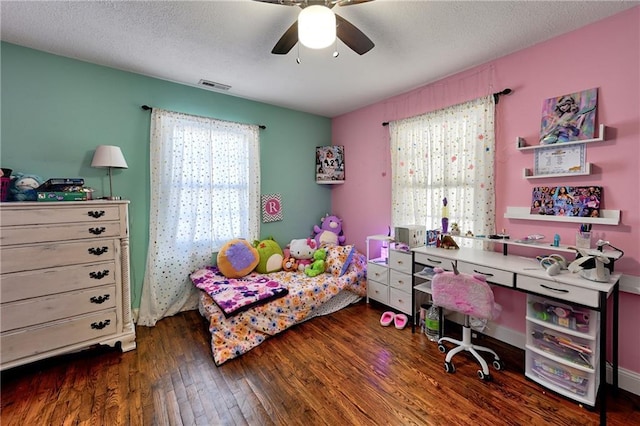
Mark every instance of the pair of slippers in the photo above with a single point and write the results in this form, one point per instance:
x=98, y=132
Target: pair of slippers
x=399, y=320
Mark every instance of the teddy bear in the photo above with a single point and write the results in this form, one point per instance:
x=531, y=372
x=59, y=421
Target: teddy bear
x=330, y=232
x=319, y=265
x=302, y=250
x=23, y=187
x=290, y=264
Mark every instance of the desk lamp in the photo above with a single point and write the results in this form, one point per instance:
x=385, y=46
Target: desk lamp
x=109, y=156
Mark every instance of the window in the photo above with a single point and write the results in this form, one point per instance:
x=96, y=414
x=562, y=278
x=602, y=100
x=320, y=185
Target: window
x=446, y=153
x=205, y=191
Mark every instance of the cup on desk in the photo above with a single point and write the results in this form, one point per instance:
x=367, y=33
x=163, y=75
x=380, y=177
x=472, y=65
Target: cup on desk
x=583, y=240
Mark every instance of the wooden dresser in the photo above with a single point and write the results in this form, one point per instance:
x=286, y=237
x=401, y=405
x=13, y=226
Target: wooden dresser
x=64, y=278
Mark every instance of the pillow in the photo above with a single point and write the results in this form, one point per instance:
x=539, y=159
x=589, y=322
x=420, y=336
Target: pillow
x=339, y=259
x=237, y=258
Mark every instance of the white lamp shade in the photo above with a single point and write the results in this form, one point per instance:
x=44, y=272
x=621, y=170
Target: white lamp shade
x=317, y=27
x=109, y=156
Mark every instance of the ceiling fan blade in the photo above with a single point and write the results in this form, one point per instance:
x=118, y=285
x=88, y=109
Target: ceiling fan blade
x=287, y=41
x=353, y=37
x=350, y=2
x=282, y=2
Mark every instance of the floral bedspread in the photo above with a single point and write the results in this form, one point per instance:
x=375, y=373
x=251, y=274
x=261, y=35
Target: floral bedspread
x=234, y=295
x=236, y=335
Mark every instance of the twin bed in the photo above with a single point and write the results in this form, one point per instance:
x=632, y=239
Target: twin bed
x=243, y=313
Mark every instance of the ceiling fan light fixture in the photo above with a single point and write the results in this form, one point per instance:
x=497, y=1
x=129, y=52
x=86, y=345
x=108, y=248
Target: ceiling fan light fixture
x=317, y=27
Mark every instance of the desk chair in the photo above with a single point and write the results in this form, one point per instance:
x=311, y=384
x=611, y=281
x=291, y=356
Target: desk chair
x=471, y=296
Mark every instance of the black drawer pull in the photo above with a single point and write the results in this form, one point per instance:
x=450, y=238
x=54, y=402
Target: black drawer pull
x=100, y=325
x=99, y=299
x=96, y=214
x=483, y=273
x=97, y=231
x=98, y=275
x=558, y=290
x=98, y=251
x=434, y=261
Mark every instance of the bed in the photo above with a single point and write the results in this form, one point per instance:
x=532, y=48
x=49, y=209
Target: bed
x=298, y=299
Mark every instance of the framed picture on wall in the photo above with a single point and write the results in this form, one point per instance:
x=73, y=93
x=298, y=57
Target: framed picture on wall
x=569, y=118
x=577, y=201
x=330, y=164
x=271, y=208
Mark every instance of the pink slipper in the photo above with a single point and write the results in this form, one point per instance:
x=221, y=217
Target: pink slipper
x=387, y=318
x=400, y=321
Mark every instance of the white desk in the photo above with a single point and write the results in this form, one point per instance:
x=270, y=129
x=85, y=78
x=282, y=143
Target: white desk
x=524, y=274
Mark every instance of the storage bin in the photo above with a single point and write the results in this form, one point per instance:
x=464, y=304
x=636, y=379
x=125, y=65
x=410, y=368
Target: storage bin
x=570, y=348
x=560, y=314
x=562, y=376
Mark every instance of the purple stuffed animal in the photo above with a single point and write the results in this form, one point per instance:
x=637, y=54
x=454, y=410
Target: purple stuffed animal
x=330, y=232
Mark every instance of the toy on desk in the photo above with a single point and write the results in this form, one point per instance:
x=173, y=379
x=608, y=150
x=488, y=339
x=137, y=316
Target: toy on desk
x=455, y=229
x=445, y=216
x=447, y=242
x=553, y=263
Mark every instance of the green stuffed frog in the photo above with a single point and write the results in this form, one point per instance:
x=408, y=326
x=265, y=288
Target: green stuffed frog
x=318, y=266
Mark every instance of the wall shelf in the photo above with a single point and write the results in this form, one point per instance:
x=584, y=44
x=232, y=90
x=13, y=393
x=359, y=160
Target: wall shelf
x=521, y=143
x=542, y=245
x=528, y=173
x=607, y=217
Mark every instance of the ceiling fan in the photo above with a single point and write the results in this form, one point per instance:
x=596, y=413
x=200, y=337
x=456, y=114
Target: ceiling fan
x=355, y=39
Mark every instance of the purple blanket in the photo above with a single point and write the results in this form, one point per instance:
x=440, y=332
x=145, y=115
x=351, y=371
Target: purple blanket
x=234, y=295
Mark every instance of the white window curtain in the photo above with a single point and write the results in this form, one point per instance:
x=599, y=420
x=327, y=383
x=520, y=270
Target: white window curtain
x=446, y=153
x=205, y=191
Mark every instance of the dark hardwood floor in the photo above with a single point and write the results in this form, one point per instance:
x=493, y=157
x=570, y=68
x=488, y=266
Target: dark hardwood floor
x=343, y=369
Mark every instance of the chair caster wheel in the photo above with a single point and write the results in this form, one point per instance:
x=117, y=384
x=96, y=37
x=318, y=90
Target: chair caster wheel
x=449, y=368
x=442, y=348
x=498, y=364
x=482, y=376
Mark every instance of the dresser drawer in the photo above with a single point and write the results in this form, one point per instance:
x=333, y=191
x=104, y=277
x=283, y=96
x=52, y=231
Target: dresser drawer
x=400, y=261
x=60, y=232
x=434, y=261
x=42, y=256
x=494, y=276
x=25, y=285
x=400, y=300
x=42, y=310
x=378, y=291
x=378, y=272
x=400, y=280
x=572, y=294
x=44, y=338
x=93, y=213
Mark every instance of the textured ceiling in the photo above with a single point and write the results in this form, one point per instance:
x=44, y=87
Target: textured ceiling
x=416, y=42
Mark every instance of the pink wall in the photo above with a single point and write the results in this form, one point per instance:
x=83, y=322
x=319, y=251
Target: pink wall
x=605, y=55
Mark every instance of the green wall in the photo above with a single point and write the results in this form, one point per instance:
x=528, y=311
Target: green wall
x=56, y=110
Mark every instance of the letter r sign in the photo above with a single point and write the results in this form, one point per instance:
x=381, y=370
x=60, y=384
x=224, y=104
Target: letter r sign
x=271, y=208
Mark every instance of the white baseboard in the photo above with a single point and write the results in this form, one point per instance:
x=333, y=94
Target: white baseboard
x=627, y=379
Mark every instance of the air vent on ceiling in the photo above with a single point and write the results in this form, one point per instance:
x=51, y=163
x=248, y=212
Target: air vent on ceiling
x=213, y=85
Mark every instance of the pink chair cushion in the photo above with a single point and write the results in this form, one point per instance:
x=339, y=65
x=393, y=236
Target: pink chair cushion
x=468, y=294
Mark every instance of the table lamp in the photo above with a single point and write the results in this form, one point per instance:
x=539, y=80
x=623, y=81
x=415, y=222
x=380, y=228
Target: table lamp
x=109, y=156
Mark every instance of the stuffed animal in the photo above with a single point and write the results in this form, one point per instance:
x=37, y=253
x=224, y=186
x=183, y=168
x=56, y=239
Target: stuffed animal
x=237, y=258
x=270, y=256
x=289, y=264
x=318, y=266
x=302, y=250
x=330, y=232
x=23, y=187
